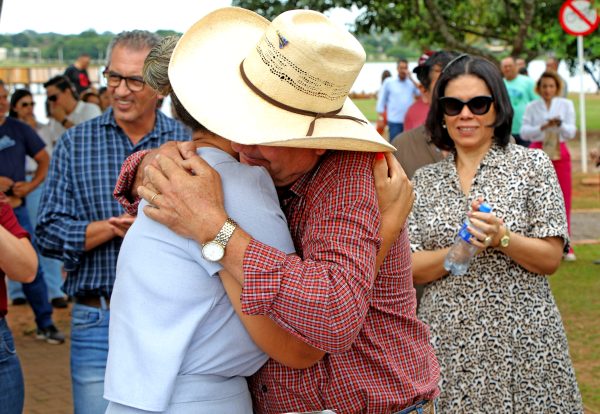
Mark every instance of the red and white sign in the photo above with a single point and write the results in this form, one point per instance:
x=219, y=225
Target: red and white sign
x=578, y=17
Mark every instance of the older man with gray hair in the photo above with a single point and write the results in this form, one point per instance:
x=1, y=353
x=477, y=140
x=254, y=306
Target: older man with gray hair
x=80, y=222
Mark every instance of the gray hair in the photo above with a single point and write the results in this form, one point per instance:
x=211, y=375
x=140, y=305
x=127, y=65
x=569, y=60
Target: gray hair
x=156, y=65
x=134, y=40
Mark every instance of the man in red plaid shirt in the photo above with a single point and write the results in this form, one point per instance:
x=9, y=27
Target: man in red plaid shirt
x=378, y=356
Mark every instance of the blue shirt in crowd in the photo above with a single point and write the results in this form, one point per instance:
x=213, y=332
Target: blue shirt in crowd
x=17, y=140
x=79, y=190
x=396, y=96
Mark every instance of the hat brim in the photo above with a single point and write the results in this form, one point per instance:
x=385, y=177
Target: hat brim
x=204, y=73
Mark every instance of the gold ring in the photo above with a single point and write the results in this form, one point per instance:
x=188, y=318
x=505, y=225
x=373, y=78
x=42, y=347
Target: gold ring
x=487, y=241
x=153, y=197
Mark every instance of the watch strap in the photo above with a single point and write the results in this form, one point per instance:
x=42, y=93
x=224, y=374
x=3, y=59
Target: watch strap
x=226, y=232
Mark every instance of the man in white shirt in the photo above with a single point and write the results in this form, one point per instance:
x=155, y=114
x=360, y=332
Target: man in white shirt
x=66, y=110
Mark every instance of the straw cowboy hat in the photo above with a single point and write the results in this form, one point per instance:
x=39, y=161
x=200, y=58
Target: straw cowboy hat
x=282, y=83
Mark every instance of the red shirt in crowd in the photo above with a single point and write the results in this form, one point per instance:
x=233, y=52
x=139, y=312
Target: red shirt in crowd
x=10, y=223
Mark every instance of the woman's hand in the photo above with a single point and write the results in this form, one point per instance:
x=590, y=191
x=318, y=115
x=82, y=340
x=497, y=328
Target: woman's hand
x=395, y=196
x=487, y=228
x=395, y=193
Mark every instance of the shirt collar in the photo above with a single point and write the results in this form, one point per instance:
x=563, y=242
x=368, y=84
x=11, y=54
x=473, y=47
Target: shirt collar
x=161, y=126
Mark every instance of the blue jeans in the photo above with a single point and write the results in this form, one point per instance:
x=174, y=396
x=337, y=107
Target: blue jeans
x=52, y=267
x=36, y=292
x=12, y=390
x=395, y=129
x=89, y=352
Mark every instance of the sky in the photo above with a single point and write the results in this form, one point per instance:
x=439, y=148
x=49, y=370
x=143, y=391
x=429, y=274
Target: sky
x=76, y=16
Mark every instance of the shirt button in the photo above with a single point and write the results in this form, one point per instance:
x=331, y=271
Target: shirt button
x=263, y=388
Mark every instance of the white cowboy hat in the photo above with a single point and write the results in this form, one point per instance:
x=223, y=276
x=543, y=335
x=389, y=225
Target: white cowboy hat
x=284, y=83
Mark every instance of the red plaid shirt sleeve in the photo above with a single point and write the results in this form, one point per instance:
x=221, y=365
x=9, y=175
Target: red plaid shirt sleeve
x=122, y=192
x=324, y=297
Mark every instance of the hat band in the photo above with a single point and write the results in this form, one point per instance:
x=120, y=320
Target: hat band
x=315, y=115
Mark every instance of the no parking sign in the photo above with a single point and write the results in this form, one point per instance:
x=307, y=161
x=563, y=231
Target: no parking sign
x=578, y=17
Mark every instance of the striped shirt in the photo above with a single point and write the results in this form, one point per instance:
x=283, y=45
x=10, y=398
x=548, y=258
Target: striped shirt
x=78, y=191
x=379, y=355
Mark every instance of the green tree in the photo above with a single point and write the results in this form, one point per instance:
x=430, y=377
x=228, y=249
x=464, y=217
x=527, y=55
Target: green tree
x=525, y=28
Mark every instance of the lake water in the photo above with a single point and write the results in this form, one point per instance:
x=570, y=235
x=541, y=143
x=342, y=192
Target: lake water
x=369, y=81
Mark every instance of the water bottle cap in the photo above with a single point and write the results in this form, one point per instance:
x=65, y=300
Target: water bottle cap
x=464, y=233
x=485, y=208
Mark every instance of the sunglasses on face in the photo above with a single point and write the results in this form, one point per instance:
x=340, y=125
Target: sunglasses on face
x=26, y=104
x=53, y=98
x=478, y=105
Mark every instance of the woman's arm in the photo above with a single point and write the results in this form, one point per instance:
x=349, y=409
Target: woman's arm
x=531, y=129
x=428, y=265
x=567, y=126
x=17, y=257
x=272, y=339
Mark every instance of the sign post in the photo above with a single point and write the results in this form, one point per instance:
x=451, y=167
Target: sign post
x=579, y=18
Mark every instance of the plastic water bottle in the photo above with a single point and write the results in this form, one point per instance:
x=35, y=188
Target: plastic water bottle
x=462, y=252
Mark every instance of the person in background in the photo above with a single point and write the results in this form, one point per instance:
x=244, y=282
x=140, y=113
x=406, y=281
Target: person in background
x=66, y=110
x=18, y=261
x=77, y=73
x=414, y=147
x=21, y=108
x=521, y=92
x=549, y=122
x=552, y=66
x=340, y=295
x=90, y=96
x=397, y=94
x=497, y=330
x=104, y=98
x=417, y=112
x=18, y=140
x=521, y=66
x=382, y=122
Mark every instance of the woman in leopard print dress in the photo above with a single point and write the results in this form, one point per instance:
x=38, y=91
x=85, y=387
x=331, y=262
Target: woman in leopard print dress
x=497, y=331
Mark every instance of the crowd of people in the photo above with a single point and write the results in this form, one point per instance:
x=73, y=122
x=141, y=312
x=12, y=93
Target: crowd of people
x=259, y=250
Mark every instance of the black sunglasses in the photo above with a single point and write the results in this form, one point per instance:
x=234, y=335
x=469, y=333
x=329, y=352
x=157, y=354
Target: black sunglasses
x=26, y=104
x=53, y=98
x=478, y=105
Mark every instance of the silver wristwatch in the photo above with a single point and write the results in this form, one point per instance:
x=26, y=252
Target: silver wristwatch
x=214, y=250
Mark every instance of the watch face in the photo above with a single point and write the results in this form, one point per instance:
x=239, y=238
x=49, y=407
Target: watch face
x=213, y=251
x=504, y=241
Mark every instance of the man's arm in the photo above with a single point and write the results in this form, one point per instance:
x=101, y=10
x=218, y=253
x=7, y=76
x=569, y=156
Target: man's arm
x=334, y=278
x=23, y=188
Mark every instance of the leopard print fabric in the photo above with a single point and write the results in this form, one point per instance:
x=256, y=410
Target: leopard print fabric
x=497, y=332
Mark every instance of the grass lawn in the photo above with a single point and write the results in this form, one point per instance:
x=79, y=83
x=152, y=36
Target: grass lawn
x=576, y=288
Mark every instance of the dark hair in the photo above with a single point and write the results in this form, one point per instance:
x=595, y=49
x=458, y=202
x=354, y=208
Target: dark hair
x=423, y=72
x=385, y=74
x=487, y=72
x=402, y=60
x=552, y=75
x=15, y=98
x=62, y=83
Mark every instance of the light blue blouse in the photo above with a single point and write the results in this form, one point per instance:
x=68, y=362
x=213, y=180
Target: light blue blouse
x=170, y=315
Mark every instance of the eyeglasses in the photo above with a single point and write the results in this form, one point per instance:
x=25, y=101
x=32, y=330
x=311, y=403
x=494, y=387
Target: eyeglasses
x=53, y=98
x=133, y=83
x=478, y=105
x=26, y=104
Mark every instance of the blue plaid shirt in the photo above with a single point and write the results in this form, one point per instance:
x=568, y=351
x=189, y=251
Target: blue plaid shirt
x=79, y=190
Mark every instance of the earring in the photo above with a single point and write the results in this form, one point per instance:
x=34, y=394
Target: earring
x=444, y=124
